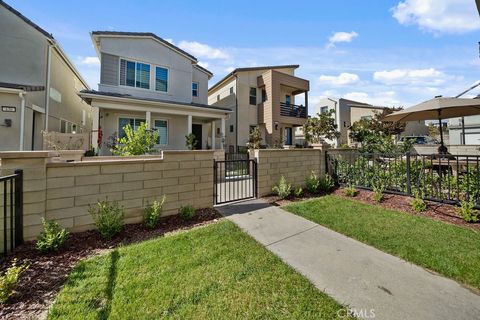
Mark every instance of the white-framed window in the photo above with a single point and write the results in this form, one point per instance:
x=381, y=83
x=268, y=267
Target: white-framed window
x=133, y=122
x=194, y=89
x=253, y=96
x=161, y=79
x=231, y=90
x=366, y=118
x=67, y=126
x=134, y=74
x=324, y=109
x=162, y=128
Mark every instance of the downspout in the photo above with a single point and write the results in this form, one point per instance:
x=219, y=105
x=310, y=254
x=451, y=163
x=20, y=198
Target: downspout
x=236, y=113
x=22, y=119
x=47, y=82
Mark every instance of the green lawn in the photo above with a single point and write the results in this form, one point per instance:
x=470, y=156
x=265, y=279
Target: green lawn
x=215, y=272
x=447, y=249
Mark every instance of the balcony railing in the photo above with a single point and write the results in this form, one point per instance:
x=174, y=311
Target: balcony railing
x=292, y=110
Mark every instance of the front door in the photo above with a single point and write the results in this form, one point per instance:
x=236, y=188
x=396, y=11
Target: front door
x=288, y=136
x=197, y=131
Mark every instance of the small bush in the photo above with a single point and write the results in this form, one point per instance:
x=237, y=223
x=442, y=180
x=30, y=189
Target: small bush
x=468, y=212
x=326, y=183
x=9, y=280
x=52, y=237
x=378, y=194
x=418, y=204
x=283, y=189
x=298, y=192
x=152, y=213
x=108, y=218
x=312, y=182
x=186, y=212
x=350, y=191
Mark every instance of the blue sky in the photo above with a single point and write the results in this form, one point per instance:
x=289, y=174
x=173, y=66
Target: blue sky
x=377, y=51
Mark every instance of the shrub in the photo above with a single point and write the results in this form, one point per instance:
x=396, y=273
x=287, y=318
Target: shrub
x=52, y=237
x=283, y=189
x=417, y=203
x=135, y=142
x=298, y=192
x=108, y=218
x=468, y=212
x=152, y=213
x=186, y=212
x=312, y=182
x=350, y=191
x=191, y=141
x=326, y=183
x=378, y=194
x=9, y=280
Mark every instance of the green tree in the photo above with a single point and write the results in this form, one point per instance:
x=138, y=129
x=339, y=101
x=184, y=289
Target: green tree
x=191, y=141
x=136, y=142
x=388, y=128
x=321, y=127
x=360, y=130
x=254, y=139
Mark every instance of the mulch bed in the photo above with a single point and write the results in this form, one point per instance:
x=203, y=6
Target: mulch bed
x=437, y=211
x=47, y=272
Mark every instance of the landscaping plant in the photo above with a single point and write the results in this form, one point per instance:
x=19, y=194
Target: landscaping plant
x=9, y=280
x=254, y=139
x=350, y=191
x=467, y=211
x=312, y=182
x=417, y=203
x=152, y=213
x=191, y=141
x=52, y=237
x=378, y=193
x=135, y=142
x=283, y=189
x=325, y=183
x=186, y=212
x=298, y=192
x=108, y=217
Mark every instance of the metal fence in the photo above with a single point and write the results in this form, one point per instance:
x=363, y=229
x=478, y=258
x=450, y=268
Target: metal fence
x=436, y=177
x=12, y=194
x=234, y=180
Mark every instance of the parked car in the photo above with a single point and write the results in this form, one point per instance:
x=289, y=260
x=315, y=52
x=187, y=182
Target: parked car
x=419, y=139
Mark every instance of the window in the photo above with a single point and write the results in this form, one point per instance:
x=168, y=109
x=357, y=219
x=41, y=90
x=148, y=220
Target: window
x=264, y=95
x=63, y=126
x=253, y=96
x=218, y=131
x=134, y=74
x=288, y=99
x=231, y=128
x=231, y=90
x=133, y=122
x=194, y=89
x=218, y=97
x=162, y=128
x=161, y=79
x=323, y=109
x=368, y=118
x=252, y=128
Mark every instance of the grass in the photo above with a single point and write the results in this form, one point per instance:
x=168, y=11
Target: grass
x=215, y=272
x=447, y=249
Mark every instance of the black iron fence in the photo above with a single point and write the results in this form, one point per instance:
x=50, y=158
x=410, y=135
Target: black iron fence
x=293, y=110
x=12, y=194
x=234, y=180
x=436, y=177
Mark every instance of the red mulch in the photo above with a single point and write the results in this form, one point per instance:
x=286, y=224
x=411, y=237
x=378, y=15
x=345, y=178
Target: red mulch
x=47, y=272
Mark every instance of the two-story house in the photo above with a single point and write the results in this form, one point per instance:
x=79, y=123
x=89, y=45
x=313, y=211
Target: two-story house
x=262, y=97
x=144, y=78
x=39, y=85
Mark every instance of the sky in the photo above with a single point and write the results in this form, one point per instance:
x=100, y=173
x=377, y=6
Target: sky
x=383, y=52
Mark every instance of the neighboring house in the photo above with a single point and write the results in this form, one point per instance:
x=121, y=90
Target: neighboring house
x=347, y=112
x=38, y=85
x=471, y=131
x=261, y=97
x=144, y=78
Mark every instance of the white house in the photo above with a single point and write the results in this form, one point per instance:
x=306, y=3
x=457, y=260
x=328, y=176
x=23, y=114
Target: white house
x=145, y=78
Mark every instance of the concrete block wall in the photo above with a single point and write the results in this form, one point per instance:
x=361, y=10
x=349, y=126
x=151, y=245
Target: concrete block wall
x=294, y=164
x=64, y=191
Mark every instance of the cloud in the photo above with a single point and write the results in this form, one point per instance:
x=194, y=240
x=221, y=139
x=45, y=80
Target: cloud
x=341, y=37
x=385, y=98
x=201, y=50
x=89, y=61
x=429, y=76
x=438, y=16
x=203, y=64
x=343, y=78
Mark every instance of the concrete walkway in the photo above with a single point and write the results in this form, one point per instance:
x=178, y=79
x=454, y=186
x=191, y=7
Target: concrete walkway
x=355, y=274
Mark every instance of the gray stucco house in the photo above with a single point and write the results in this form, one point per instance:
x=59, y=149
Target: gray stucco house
x=144, y=78
x=39, y=85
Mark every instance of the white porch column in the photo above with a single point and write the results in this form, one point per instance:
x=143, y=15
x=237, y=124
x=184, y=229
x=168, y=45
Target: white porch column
x=148, y=119
x=95, y=126
x=213, y=135
x=222, y=134
x=189, y=124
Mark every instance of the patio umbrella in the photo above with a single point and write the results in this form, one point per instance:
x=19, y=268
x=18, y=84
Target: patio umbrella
x=438, y=108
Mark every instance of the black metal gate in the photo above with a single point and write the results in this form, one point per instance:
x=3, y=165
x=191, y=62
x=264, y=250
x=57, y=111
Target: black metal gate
x=234, y=180
x=11, y=187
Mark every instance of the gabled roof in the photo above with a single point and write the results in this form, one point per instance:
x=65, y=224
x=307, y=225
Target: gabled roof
x=357, y=104
x=145, y=35
x=204, y=70
x=295, y=66
x=24, y=87
x=28, y=21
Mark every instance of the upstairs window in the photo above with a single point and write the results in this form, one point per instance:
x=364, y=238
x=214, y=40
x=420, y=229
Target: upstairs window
x=253, y=96
x=161, y=79
x=194, y=89
x=264, y=95
x=324, y=109
x=288, y=99
x=231, y=90
x=134, y=74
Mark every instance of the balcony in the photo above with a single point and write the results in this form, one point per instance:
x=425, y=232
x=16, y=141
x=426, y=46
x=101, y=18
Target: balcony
x=293, y=110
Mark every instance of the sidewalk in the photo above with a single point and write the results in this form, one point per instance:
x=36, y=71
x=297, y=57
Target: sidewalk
x=353, y=273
